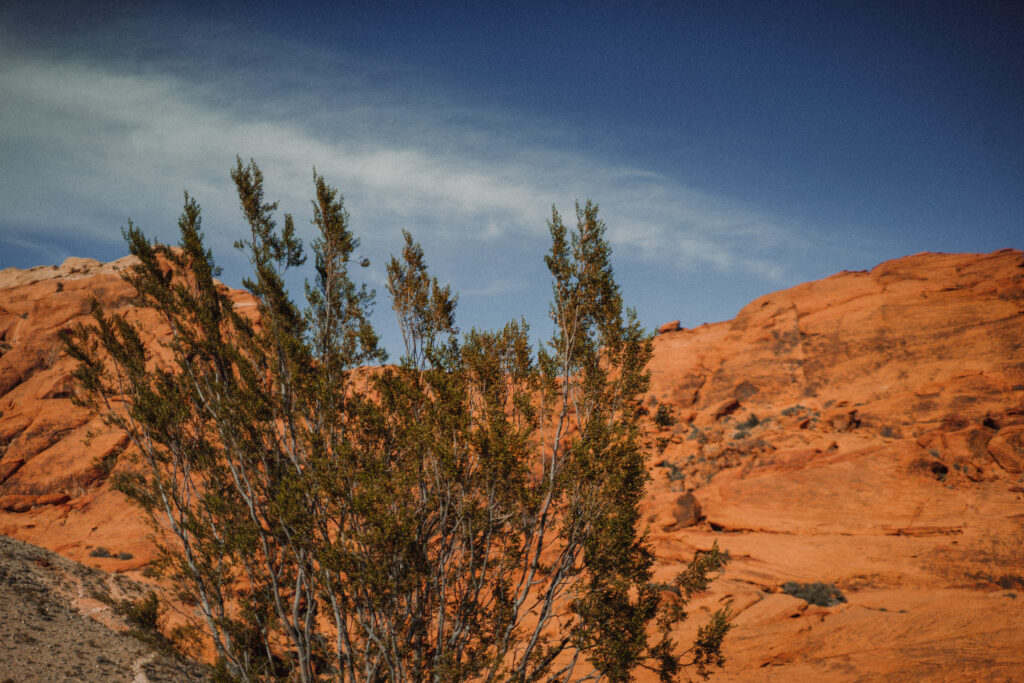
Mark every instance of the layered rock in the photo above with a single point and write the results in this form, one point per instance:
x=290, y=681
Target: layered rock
x=55, y=458
x=866, y=431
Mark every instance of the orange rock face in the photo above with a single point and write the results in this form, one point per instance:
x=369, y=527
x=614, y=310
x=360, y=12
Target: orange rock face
x=865, y=431
x=51, y=473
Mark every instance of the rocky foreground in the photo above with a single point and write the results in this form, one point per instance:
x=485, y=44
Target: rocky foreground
x=864, y=431
x=61, y=621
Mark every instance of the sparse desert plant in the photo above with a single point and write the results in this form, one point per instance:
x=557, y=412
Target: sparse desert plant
x=751, y=422
x=105, y=465
x=471, y=513
x=143, y=613
x=674, y=472
x=1004, y=581
x=817, y=593
x=663, y=417
x=100, y=551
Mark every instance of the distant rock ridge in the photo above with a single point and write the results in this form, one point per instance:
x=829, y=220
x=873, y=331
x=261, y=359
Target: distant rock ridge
x=865, y=430
x=72, y=268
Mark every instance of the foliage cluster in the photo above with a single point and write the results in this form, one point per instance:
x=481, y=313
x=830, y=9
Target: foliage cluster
x=664, y=417
x=817, y=593
x=471, y=512
x=143, y=613
x=100, y=551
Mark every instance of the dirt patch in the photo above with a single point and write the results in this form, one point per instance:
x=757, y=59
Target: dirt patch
x=51, y=630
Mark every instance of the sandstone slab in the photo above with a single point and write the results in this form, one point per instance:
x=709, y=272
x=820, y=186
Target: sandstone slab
x=864, y=430
x=1007, y=448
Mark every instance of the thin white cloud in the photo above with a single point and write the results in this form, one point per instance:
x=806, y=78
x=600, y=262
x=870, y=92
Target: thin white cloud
x=82, y=145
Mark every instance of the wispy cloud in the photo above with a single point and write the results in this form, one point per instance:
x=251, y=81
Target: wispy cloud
x=84, y=144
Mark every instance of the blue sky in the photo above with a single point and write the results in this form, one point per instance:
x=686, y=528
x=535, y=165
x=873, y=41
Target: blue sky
x=734, y=148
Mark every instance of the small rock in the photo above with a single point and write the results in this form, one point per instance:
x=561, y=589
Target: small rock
x=52, y=499
x=932, y=466
x=727, y=408
x=997, y=419
x=953, y=422
x=16, y=503
x=845, y=421
x=745, y=390
x=1007, y=448
x=686, y=512
x=9, y=468
x=669, y=327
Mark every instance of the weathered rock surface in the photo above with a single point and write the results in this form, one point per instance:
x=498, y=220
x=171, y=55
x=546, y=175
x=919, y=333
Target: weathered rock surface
x=672, y=326
x=1007, y=448
x=865, y=430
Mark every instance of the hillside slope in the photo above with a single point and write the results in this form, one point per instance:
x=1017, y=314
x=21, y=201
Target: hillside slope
x=57, y=624
x=865, y=430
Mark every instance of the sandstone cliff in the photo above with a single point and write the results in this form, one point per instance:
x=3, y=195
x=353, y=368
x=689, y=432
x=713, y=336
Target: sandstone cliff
x=866, y=431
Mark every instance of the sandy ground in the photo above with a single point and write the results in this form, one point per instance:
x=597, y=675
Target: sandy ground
x=53, y=629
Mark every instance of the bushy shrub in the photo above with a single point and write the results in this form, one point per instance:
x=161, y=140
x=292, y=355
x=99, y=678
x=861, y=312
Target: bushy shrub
x=664, y=417
x=144, y=612
x=749, y=423
x=421, y=508
x=817, y=593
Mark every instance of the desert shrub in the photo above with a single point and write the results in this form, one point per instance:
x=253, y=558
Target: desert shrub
x=817, y=593
x=308, y=506
x=100, y=551
x=749, y=423
x=664, y=417
x=186, y=639
x=124, y=556
x=105, y=465
x=1004, y=581
x=674, y=471
x=143, y=613
x=1011, y=581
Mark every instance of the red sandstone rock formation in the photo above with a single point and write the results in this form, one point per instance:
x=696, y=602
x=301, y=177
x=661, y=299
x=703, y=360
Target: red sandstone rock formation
x=55, y=458
x=866, y=430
